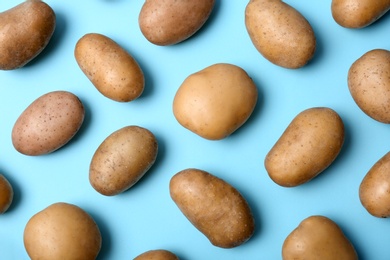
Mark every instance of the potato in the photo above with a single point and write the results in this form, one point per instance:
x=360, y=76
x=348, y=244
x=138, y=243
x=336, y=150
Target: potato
x=167, y=22
x=6, y=194
x=318, y=237
x=308, y=146
x=358, y=13
x=280, y=33
x=213, y=206
x=62, y=231
x=48, y=123
x=110, y=68
x=122, y=159
x=369, y=84
x=25, y=30
x=158, y=254
x=215, y=101
x=374, y=190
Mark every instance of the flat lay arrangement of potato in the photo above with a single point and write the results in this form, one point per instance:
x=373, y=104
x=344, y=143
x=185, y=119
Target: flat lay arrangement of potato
x=158, y=254
x=6, y=194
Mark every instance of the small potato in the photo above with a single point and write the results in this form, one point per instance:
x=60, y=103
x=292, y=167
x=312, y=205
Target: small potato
x=48, y=123
x=158, y=254
x=369, y=84
x=216, y=101
x=213, y=206
x=318, y=237
x=308, y=146
x=280, y=33
x=62, y=231
x=110, y=68
x=167, y=22
x=122, y=159
x=6, y=194
x=358, y=13
x=25, y=30
x=374, y=190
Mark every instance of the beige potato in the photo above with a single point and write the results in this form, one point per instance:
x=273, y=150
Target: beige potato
x=213, y=206
x=318, y=238
x=62, y=231
x=358, y=13
x=122, y=159
x=280, y=33
x=310, y=143
x=25, y=30
x=167, y=22
x=159, y=254
x=6, y=194
x=216, y=101
x=110, y=68
x=374, y=190
x=48, y=123
x=369, y=84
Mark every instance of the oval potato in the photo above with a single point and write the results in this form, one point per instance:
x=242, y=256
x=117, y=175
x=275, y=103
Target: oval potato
x=6, y=194
x=159, y=254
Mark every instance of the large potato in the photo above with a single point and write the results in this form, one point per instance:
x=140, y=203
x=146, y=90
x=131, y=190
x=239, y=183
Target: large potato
x=213, y=206
x=6, y=194
x=308, y=146
x=215, y=101
x=25, y=30
x=280, y=33
x=159, y=254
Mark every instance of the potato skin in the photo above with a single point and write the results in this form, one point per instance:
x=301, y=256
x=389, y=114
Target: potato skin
x=369, y=84
x=6, y=194
x=280, y=33
x=213, y=206
x=159, y=254
x=168, y=22
x=25, y=30
x=308, y=146
x=110, y=68
x=318, y=237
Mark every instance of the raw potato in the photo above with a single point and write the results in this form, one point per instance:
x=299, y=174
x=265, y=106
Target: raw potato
x=6, y=194
x=280, y=33
x=48, y=123
x=369, y=84
x=213, y=206
x=62, y=231
x=110, y=68
x=122, y=159
x=374, y=191
x=308, y=146
x=159, y=254
x=358, y=13
x=318, y=238
x=215, y=101
x=25, y=30
x=167, y=22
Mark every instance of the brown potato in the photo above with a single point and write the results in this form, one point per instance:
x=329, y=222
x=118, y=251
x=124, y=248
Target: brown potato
x=6, y=194
x=167, y=22
x=215, y=101
x=158, y=254
x=122, y=159
x=374, y=190
x=280, y=33
x=62, y=231
x=25, y=30
x=48, y=123
x=369, y=84
x=213, y=206
x=110, y=68
x=318, y=237
x=358, y=13
x=308, y=146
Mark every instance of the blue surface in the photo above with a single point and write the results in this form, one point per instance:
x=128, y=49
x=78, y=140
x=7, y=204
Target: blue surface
x=145, y=217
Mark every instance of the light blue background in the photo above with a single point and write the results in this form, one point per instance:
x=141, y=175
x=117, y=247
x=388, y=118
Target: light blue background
x=145, y=217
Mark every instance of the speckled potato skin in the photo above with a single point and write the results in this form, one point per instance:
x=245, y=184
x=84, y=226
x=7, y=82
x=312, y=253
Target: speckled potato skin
x=62, y=231
x=369, y=84
x=319, y=238
x=110, y=68
x=310, y=143
x=25, y=30
x=122, y=159
x=167, y=22
x=48, y=123
x=6, y=194
x=159, y=254
x=216, y=101
x=280, y=33
x=213, y=206
x=358, y=13
x=374, y=190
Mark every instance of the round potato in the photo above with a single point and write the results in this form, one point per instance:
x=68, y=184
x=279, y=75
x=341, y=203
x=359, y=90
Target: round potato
x=159, y=254
x=6, y=194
